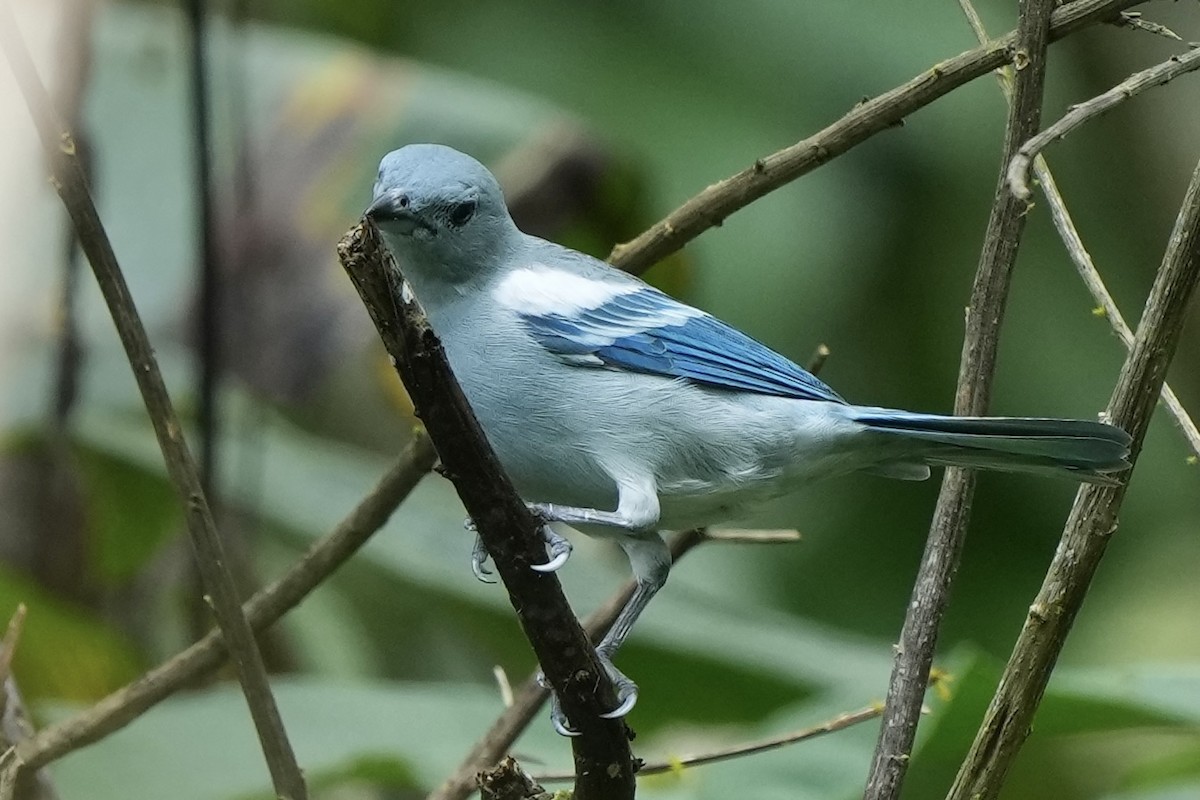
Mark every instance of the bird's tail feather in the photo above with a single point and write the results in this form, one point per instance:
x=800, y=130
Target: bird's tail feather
x=1078, y=449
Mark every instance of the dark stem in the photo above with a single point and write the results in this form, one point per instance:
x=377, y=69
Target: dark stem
x=943, y=548
x=208, y=317
x=530, y=696
x=603, y=763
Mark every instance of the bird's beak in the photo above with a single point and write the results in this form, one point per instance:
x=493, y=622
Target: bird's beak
x=393, y=211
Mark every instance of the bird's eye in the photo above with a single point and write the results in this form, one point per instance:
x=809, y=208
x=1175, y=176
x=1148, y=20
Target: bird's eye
x=461, y=213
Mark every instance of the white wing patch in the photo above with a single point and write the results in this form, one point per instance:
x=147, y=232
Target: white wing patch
x=539, y=290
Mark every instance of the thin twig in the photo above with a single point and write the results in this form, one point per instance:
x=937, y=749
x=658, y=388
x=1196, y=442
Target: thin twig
x=710, y=207
x=840, y=722
x=817, y=360
x=321, y=560
x=8, y=645
x=69, y=180
x=1095, y=284
x=1018, y=170
x=1092, y=521
x=15, y=726
x=1133, y=19
x=918, y=638
x=75, y=56
x=603, y=763
x=742, y=536
x=208, y=320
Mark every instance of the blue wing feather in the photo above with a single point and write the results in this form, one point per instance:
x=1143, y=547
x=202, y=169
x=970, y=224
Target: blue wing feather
x=648, y=331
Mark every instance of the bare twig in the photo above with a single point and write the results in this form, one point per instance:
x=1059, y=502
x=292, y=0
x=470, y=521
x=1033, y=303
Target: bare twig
x=75, y=55
x=1018, y=170
x=1092, y=522
x=603, y=762
x=1133, y=19
x=1095, y=284
x=262, y=610
x=818, y=358
x=742, y=536
x=69, y=180
x=918, y=638
x=208, y=319
x=711, y=206
x=8, y=645
x=15, y=726
x=840, y=722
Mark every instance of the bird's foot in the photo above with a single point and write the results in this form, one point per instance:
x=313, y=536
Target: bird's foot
x=479, y=557
x=558, y=548
x=626, y=691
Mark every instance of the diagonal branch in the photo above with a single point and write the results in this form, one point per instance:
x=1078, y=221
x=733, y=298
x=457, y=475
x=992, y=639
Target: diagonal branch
x=262, y=610
x=1018, y=170
x=1092, y=522
x=710, y=207
x=1095, y=284
x=69, y=180
x=603, y=763
x=918, y=638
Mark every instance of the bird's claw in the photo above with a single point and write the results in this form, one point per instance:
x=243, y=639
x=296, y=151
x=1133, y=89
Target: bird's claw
x=557, y=546
x=626, y=690
x=627, y=696
x=479, y=558
x=559, y=721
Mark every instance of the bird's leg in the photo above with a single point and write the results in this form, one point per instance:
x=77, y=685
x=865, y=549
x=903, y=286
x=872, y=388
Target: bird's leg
x=651, y=562
x=572, y=515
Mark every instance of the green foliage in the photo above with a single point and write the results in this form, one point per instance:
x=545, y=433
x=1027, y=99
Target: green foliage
x=65, y=651
x=872, y=254
x=131, y=515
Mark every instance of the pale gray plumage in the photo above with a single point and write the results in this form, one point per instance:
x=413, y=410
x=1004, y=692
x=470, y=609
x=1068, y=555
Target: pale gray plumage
x=615, y=408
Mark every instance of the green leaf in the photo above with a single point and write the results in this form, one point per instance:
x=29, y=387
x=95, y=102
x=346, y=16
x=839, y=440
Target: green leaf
x=202, y=746
x=412, y=736
x=132, y=514
x=1112, y=698
x=64, y=651
x=1183, y=791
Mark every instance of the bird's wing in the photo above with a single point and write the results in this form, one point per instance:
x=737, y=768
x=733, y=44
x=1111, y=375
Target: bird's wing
x=592, y=322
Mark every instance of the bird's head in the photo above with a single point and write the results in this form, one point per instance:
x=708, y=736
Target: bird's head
x=442, y=213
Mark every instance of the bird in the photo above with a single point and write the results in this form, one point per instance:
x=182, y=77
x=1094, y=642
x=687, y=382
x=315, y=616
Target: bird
x=621, y=412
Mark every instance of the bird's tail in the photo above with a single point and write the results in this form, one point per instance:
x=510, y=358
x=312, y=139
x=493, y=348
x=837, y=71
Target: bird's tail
x=1069, y=448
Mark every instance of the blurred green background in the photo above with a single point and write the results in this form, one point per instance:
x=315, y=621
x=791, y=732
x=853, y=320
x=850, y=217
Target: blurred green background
x=601, y=117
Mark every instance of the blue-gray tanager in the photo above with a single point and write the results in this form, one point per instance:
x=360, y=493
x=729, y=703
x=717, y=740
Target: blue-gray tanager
x=619, y=410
